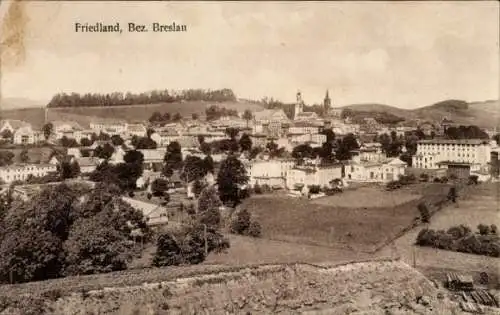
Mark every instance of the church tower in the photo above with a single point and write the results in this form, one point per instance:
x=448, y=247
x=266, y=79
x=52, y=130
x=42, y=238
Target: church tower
x=327, y=102
x=299, y=105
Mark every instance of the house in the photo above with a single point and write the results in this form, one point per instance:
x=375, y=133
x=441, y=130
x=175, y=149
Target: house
x=22, y=172
x=10, y=126
x=25, y=135
x=153, y=156
x=138, y=130
x=312, y=175
x=117, y=156
x=87, y=164
x=109, y=126
x=374, y=171
x=164, y=137
x=435, y=153
x=68, y=129
x=155, y=215
x=268, y=115
x=270, y=172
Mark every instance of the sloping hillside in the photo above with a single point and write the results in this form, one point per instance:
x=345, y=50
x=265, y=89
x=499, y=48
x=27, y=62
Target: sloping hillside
x=16, y=103
x=83, y=115
x=377, y=287
x=484, y=114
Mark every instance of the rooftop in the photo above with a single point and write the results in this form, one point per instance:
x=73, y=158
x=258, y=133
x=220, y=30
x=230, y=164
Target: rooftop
x=450, y=141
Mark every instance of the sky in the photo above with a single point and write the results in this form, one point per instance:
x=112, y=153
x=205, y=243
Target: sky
x=405, y=54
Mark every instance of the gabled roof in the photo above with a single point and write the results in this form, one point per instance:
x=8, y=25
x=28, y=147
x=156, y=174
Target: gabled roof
x=396, y=161
x=270, y=114
x=136, y=127
x=14, y=123
x=59, y=123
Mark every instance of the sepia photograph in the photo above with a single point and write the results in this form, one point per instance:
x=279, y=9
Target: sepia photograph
x=253, y=157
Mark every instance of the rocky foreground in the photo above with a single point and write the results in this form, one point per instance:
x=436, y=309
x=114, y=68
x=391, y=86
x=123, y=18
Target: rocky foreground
x=379, y=287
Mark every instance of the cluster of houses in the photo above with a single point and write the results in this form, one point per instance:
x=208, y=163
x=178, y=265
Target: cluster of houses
x=369, y=163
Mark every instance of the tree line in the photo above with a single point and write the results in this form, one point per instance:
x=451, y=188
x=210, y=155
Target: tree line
x=151, y=97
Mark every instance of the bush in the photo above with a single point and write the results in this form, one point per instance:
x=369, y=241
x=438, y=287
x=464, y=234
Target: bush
x=150, y=195
x=266, y=188
x=424, y=212
x=254, y=230
x=424, y=177
x=314, y=189
x=473, y=180
x=483, y=229
x=241, y=223
x=494, y=229
x=257, y=189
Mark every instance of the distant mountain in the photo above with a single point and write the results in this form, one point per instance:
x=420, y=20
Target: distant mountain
x=16, y=103
x=484, y=114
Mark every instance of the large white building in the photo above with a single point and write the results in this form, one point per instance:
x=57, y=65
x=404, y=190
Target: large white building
x=374, y=171
x=109, y=126
x=271, y=172
x=312, y=175
x=432, y=154
x=11, y=173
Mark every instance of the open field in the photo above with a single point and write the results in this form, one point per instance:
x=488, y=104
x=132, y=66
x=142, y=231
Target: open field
x=83, y=115
x=367, y=197
x=361, y=226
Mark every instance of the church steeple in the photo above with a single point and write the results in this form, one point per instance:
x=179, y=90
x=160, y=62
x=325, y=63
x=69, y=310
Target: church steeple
x=327, y=102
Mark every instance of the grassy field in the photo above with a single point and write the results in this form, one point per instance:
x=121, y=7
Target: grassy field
x=83, y=115
x=367, y=197
x=373, y=217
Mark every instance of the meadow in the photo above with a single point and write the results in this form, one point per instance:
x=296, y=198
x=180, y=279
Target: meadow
x=359, y=220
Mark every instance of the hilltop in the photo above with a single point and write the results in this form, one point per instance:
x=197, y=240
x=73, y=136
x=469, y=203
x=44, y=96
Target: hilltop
x=17, y=103
x=83, y=115
x=484, y=114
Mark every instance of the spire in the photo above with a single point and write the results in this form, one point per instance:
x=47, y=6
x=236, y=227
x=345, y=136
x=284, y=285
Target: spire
x=327, y=103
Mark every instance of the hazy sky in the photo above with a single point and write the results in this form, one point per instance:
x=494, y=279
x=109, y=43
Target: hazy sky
x=406, y=54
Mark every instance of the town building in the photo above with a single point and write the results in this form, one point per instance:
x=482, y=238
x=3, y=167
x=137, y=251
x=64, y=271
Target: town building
x=22, y=172
x=155, y=215
x=25, y=135
x=138, y=130
x=18, y=131
x=441, y=153
x=68, y=129
x=309, y=175
x=374, y=171
x=164, y=137
x=153, y=157
x=109, y=126
x=269, y=115
x=270, y=172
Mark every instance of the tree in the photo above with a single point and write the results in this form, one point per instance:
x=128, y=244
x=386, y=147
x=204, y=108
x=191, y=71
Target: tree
x=142, y=143
x=104, y=152
x=159, y=187
x=47, y=129
x=94, y=245
x=24, y=156
x=232, y=174
x=68, y=169
x=194, y=169
x=155, y=117
x=85, y=142
x=302, y=151
x=208, y=163
x=452, y=194
x=168, y=252
x=241, y=223
x=194, y=116
x=345, y=147
x=103, y=136
x=116, y=140
x=247, y=115
x=7, y=134
x=6, y=158
x=134, y=156
x=484, y=229
x=173, y=156
x=177, y=117
x=245, y=142
x=68, y=142
x=232, y=132
x=330, y=135
x=424, y=212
